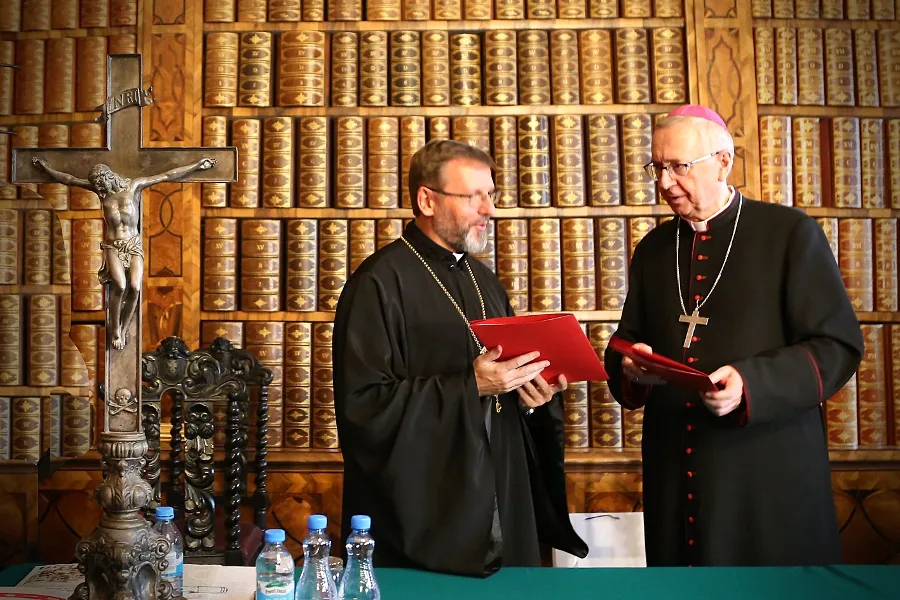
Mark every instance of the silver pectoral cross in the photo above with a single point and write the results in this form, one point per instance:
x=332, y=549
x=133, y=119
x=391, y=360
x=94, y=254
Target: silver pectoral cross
x=692, y=321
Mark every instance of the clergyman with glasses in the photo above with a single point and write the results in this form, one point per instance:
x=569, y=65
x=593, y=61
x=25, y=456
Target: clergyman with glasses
x=455, y=454
x=750, y=293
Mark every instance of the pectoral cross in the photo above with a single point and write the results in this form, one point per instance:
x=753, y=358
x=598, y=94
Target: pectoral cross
x=693, y=320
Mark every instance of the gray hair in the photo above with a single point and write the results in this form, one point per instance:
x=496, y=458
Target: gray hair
x=713, y=136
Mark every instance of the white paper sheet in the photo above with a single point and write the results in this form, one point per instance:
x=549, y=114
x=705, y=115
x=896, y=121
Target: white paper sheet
x=613, y=539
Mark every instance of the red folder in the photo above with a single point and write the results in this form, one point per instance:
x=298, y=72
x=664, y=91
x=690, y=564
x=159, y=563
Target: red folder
x=670, y=370
x=557, y=336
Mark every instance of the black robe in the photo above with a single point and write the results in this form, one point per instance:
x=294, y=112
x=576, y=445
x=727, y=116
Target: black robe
x=412, y=428
x=752, y=487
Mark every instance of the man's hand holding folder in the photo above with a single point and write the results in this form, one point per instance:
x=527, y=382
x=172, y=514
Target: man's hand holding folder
x=644, y=366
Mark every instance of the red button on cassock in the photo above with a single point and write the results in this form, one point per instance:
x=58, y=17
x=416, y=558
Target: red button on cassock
x=688, y=450
x=690, y=474
x=690, y=519
x=702, y=257
x=690, y=496
x=689, y=427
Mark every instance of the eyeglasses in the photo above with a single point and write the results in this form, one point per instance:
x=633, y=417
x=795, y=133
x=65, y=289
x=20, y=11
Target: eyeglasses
x=655, y=170
x=494, y=195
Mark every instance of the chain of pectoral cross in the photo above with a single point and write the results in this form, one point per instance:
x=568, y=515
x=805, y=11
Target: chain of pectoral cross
x=694, y=319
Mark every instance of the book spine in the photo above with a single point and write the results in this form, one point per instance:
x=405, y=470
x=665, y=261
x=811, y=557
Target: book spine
x=43, y=338
x=894, y=357
x=255, y=72
x=26, y=429
x=636, y=9
x=883, y=10
x=534, y=67
x=324, y=423
x=807, y=9
x=576, y=427
x=286, y=11
x=564, y=67
x=839, y=67
x=345, y=10
x=11, y=16
x=638, y=227
x=361, y=243
x=612, y=262
x=313, y=180
x=60, y=88
x=265, y=339
x=405, y=65
x=546, y=272
x=61, y=268
x=568, y=161
x=579, y=274
x=51, y=416
x=633, y=66
x=510, y=9
x=7, y=79
x=632, y=428
x=448, y=10
x=885, y=234
x=215, y=135
x=386, y=231
x=122, y=13
x=278, y=162
x=439, y=128
x=435, y=68
x=506, y=158
x=245, y=136
x=86, y=338
x=233, y=331
x=669, y=76
x=253, y=11
x=637, y=133
x=833, y=9
x=302, y=273
x=219, y=11
x=475, y=131
x=606, y=414
x=840, y=418
x=512, y=261
x=765, y=64
x=488, y=255
x=313, y=10
x=872, y=389
x=786, y=65
x=573, y=9
x=297, y=384
x=477, y=10
x=830, y=228
x=894, y=155
x=871, y=135
x=64, y=14
x=811, y=66
x=301, y=73
x=603, y=154
x=373, y=67
x=332, y=262
x=847, y=159
x=775, y=159
x=344, y=70
x=858, y=10
x=889, y=67
x=30, y=56
x=534, y=161
x=76, y=426
x=350, y=181
x=465, y=69
x=668, y=9
x=10, y=237
x=383, y=162
x=383, y=10
x=866, y=67
x=500, y=68
x=38, y=245
x=412, y=138
x=221, y=69
x=94, y=13
x=220, y=264
x=603, y=9
x=54, y=135
x=85, y=135
x=261, y=258
x=855, y=259
x=807, y=161
x=540, y=9
x=10, y=339
x=5, y=427
x=90, y=87
x=783, y=9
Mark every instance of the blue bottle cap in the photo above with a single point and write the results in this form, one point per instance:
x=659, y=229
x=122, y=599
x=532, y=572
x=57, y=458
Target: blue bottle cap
x=361, y=522
x=165, y=512
x=317, y=522
x=274, y=536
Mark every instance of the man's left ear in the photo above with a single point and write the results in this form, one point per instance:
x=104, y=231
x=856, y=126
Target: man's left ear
x=726, y=163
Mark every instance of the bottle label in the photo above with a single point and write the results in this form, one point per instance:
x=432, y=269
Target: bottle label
x=175, y=568
x=275, y=590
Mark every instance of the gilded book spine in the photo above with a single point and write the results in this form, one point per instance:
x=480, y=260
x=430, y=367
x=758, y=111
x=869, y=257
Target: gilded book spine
x=86, y=339
x=265, y=339
x=313, y=10
x=60, y=88
x=361, y=244
x=255, y=73
x=245, y=136
x=633, y=66
x=846, y=158
x=297, y=383
x=512, y=261
x=534, y=67
x=10, y=339
x=10, y=239
x=889, y=66
x=858, y=10
x=345, y=10
x=786, y=65
x=350, y=181
x=829, y=227
x=596, y=66
x=253, y=11
x=73, y=371
x=416, y=10
x=61, y=267
x=546, y=271
x=811, y=66
x=435, y=68
x=313, y=180
x=233, y=331
x=833, y=9
x=872, y=389
x=866, y=67
x=26, y=136
x=94, y=13
x=5, y=427
x=26, y=429
x=221, y=69
x=575, y=415
x=603, y=154
x=383, y=10
x=215, y=135
x=465, y=69
x=122, y=13
x=324, y=425
x=855, y=259
x=840, y=417
x=667, y=9
x=261, y=258
x=872, y=161
x=510, y=9
x=632, y=428
x=344, y=68
x=894, y=154
x=85, y=135
x=579, y=274
x=500, y=69
x=506, y=158
x=43, y=340
x=765, y=64
x=636, y=9
x=534, y=161
x=219, y=11
x=612, y=262
x=474, y=131
x=386, y=231
x=572, y=9
x=783, y=9
x=301, y=69
x=895, y=379
x=886, y=298
x=775, y=160
x=439, y=128
x=220, y=264
x=412, y=137
x=54, y=135
x=373, y=67
x=448, y=10
x=302, y=266
x=76, y=426
x=568, y=161
x=807, y=161
x=638, y=227
x=406, y=73
x=839, y=67
x=278, y=162
x=64, y=14
x=332, y=262
x=35, y=15
x=564, y=67
x=807, y=9
x=285, y=11
x=30, y=56
x=606, y=414
x=669, y=78
x=541, y=9
x=7, y=78
x=637, y=132
x=883, y=10
x=477, y=10
x=603, y=9
x=11, y=16
x=38, y=245
x=51, y=417
x=383, y=162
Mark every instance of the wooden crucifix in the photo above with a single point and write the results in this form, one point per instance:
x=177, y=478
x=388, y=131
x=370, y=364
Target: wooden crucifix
x=121, y=557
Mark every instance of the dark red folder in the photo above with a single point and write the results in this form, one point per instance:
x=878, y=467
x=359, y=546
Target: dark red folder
x=670, y=370
x=557, y=336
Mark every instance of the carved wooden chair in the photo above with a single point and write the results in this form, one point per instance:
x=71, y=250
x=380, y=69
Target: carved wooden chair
x=209, y=390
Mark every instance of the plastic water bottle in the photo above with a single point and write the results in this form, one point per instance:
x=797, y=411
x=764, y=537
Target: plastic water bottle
x=316, y=582
x=358, y=580
x=164, y=526
x=274, y=569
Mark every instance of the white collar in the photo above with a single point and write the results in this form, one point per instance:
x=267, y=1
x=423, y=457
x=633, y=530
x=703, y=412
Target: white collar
x=704, y=225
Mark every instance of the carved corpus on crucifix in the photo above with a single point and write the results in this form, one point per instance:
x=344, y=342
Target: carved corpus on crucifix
x=121, y=558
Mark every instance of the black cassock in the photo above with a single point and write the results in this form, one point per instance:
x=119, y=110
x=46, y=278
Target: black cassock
x=418, y=457
x=752, y=487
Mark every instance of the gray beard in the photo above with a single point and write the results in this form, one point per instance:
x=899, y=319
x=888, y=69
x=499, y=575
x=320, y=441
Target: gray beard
x=468, y=240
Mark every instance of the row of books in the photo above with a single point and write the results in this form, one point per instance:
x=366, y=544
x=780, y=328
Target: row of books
x=813, y=66
x=42, y=15
x=31, y=426
x=440, y=68
x=855, y=10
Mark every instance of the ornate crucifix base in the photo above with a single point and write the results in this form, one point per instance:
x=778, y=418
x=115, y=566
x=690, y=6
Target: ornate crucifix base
x=121, y=557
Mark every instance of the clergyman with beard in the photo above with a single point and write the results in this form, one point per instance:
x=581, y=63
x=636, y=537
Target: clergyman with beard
x=455, y=454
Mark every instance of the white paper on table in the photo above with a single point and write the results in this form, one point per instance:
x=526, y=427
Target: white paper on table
x=33, y=593
x=57, y=577
x=613, y=539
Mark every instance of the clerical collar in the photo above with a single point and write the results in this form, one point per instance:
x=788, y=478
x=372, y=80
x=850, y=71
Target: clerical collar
x=429, y=248
x=701, y=226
